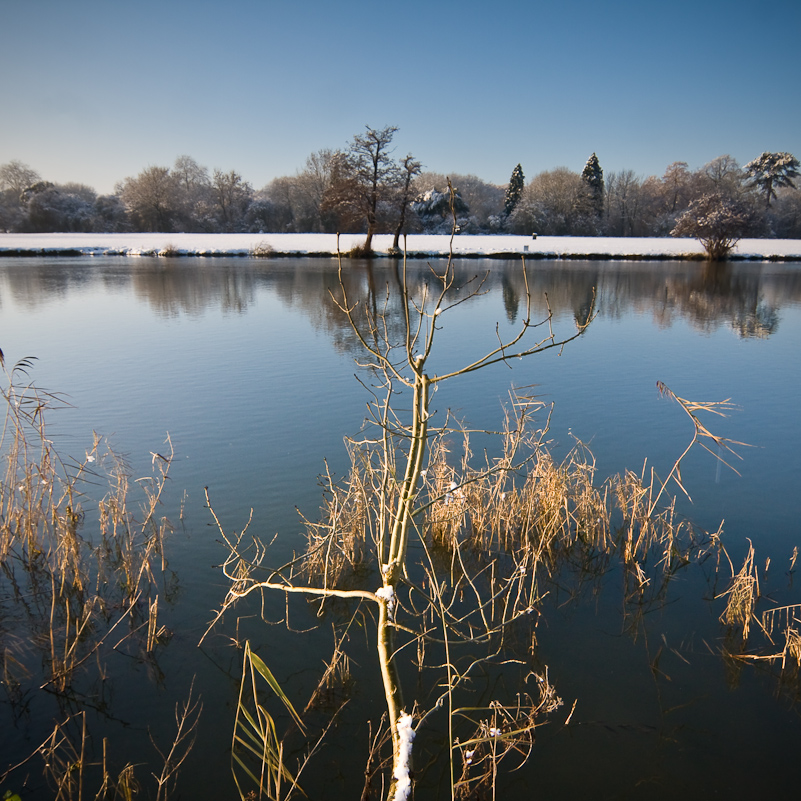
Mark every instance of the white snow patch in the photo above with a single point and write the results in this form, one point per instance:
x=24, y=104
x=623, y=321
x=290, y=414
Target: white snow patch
x=388, y=594
x=134, y=244
x=403, y=781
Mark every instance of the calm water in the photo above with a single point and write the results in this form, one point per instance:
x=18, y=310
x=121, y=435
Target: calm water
x=250, y=369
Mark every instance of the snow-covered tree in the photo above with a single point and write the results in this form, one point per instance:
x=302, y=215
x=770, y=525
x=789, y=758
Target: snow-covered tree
x=433, y=209
x=593, y=177
x=772, y=171
x=514, y=191
x=484, y=200
x=717, y=221
x=68, y=207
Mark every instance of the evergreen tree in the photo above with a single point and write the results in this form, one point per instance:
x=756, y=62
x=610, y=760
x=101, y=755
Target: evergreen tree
x=771, y=171
x=593, y=177
x=514, y=191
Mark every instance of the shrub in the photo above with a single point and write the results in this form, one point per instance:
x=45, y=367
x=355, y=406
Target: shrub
x=718, y=222
x=262, y=250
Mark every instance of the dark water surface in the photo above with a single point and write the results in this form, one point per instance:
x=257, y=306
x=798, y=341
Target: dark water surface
x=250, y=368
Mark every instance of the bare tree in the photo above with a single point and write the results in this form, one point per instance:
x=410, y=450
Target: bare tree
x=723, y=175
x=193, y=194
x=309, y=191
x=410, y=169
x=151, y=199
x=232, y=196
x=400, y=479
x=623, y=203
x=17, y=177
x=374, y=173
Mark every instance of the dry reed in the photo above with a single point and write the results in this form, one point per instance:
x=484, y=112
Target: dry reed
x=72, y=590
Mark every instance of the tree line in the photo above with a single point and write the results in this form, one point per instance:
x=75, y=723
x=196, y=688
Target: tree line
x=363, y=188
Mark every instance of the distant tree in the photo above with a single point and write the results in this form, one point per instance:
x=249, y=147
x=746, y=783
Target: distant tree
x=514, y=191
x=435, y=210
x=624, y=204
x=111, y=214
x=281, y=195
x=484, y=200
x=785, y=216
x=68, y=207
x=16, y=177
x=344, y=200
x=554, y=203
x=717, y=221
x=723, y=175
x=189, y=175
x=151, y=199
x=770, y=172
x=409, y=169
x=308, y=191
x=662, y=200
x=232, y=195
x=593, y=177
x=194, y=203
x=373, y=173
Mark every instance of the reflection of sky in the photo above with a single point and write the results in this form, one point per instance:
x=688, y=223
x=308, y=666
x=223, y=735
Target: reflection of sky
x=141, y=355
x=257, y=85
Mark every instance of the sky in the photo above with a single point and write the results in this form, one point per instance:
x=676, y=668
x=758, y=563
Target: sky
x=94, y=91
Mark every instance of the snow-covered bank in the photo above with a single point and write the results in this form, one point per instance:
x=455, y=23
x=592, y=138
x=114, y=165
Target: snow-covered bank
x=549, y=247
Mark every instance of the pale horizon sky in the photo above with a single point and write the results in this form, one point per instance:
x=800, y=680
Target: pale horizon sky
x=96, y=90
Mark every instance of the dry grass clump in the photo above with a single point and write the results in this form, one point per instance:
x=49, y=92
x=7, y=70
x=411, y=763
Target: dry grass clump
x=777, y=623
x=262, y=250
x=499, y=733
x=524, y=506
x=360, y=252
x=342, y=539
x=79, y=579
x=742, y=596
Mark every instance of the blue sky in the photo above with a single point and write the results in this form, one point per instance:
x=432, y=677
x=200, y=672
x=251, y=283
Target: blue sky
x=96, y=90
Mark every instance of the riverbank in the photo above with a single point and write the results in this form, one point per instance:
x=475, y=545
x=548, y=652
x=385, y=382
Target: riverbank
x=417, y=245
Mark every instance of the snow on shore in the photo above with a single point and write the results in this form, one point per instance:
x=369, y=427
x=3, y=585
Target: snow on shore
x=417, y=244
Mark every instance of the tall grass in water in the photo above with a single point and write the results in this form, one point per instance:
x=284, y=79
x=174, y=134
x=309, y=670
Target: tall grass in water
x=79, y=579
x=448, y=556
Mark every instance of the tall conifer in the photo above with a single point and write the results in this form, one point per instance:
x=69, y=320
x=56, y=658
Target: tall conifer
x=593, y=177
x=514, y=191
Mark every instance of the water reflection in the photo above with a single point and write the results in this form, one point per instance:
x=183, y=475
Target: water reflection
x=227, y=435
x=745, y=297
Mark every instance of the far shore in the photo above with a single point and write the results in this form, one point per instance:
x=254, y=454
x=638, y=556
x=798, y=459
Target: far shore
x=416, y=246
